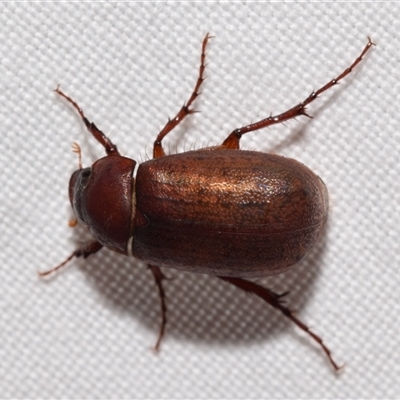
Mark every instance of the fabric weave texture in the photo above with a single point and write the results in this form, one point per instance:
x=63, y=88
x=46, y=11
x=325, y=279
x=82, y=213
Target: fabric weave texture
x=88, y=332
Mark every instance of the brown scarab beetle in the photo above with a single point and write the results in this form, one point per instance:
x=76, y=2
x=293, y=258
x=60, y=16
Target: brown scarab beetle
x=219, y=210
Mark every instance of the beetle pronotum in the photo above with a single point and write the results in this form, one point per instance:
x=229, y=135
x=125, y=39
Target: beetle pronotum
x=218, y=210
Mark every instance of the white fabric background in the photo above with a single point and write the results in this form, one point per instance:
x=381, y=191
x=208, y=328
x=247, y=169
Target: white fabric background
x=88, y=332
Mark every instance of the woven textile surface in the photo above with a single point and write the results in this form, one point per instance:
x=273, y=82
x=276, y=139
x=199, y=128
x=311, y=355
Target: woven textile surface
x=88, y=332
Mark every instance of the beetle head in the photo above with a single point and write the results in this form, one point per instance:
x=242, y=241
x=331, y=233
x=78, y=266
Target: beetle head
x=102, y=198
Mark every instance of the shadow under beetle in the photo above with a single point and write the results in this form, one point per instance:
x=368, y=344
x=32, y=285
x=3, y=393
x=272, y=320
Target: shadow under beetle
x=218, y=210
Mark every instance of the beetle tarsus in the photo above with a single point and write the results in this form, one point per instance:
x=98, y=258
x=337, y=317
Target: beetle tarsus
x=159, y=277
x=109, y=146
x=232, y=141
x=275, y=300
x=85, y=251
x=158, y=150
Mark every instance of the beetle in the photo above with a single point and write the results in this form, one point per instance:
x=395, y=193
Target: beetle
x=218, y=210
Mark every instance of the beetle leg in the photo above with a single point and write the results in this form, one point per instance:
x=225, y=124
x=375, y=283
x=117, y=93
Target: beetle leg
x=110, y=147
x=158, y=150
x=275, y=300
x=232, y=141
x=159, y=277
x=84, y=251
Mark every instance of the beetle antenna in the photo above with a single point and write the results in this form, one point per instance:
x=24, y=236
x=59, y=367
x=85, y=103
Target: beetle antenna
x=77, y=149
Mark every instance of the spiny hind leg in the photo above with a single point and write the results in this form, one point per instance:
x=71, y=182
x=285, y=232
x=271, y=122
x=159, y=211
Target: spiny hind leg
x=275, y=300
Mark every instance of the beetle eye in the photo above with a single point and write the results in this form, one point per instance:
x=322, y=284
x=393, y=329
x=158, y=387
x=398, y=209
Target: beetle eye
x=86, y=173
